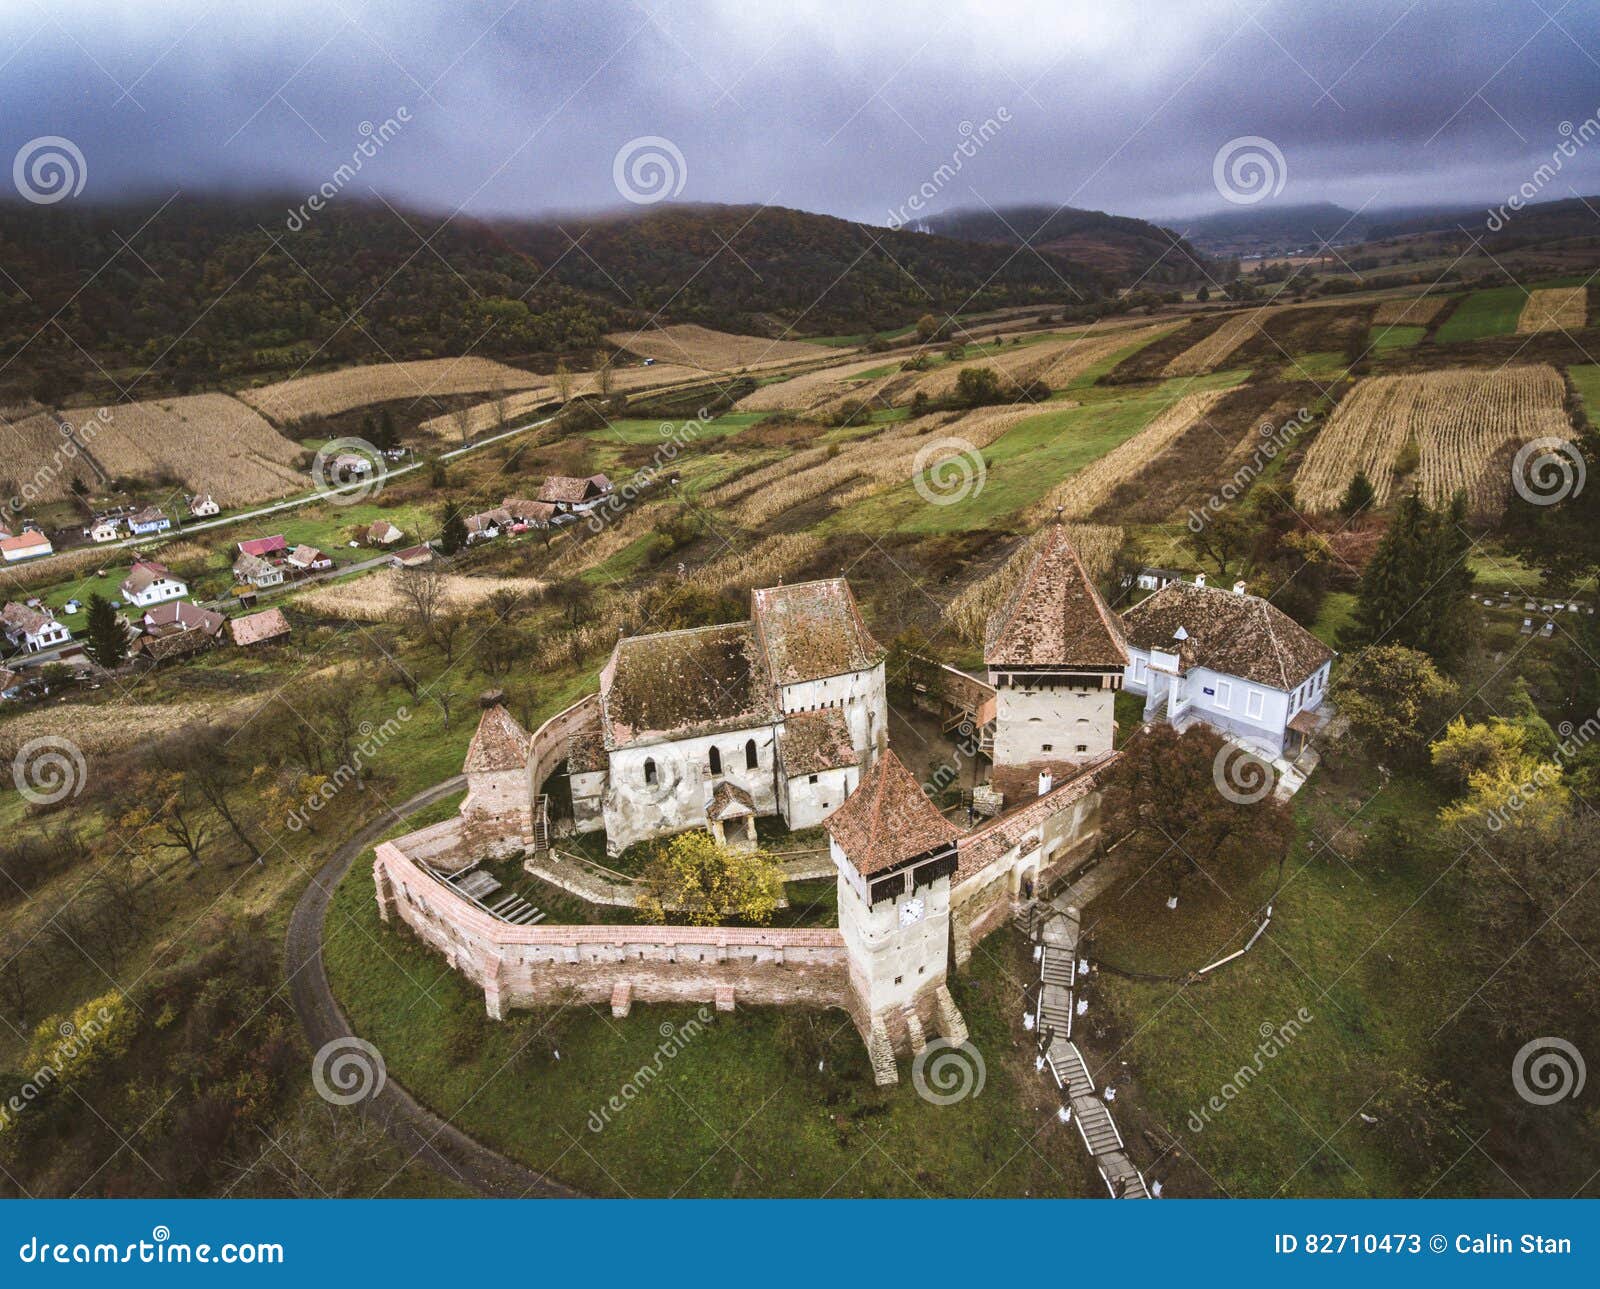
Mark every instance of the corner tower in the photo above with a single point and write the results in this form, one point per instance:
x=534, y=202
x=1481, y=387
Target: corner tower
x=1055, y=654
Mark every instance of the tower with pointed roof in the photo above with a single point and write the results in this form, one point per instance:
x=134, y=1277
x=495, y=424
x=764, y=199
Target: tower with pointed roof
x=497, y=814
x=1056, y=655
x=895, y=855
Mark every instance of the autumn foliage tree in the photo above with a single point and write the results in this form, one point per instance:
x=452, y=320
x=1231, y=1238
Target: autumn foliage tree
x=691, y=878
x=1191, y=803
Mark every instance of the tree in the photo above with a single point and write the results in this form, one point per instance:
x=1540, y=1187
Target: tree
x=1466, y=749
x=563, y=381
x=575, y=598
x=453, y=535
x=1192, y=803
x=1222, y=538
x=384, y=436
x=422, y=593
x=1392, y=697
x=461, y=418
x=927, y=327
x=105, y=634
x=1203, y=294
x=1358, y=496
x=978, y=387
x=691, y=877
x=165, y=802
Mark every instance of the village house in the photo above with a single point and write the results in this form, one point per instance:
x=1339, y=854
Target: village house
x=258, y=628
x=1230, y=660
x=349, y=464
x=307, y=559
x=149, y=582
x=28, y=544
x=383, y=533
x=152, y=519
x=12, y=685
x=265, y=547
x=253, y=570
x=528, y=514
x=573, y=496
x=180, y=617
x=104, y=528
x=487, y=524
x=412, y=556
x=32, y=629
x=203, y=506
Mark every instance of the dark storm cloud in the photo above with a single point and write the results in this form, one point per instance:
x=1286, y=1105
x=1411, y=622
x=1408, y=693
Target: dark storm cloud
x=849, y=108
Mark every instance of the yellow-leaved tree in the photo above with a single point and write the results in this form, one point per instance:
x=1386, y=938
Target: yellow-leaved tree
x=691, y=878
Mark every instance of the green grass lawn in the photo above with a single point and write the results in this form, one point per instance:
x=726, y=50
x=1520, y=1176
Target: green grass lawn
x=1026, y=462
x=1338, y=610
x=740, y=1110
x=633, y=432
x=1484, y=313
x=1323, y=366
x=1367, y=947
x=1586, y=376
x=1395, y=337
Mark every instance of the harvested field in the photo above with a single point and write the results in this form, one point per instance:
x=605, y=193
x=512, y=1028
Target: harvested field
x=1416, y=311
x=211, y=442
x=706, y=350
x=1246, y=422
x=1084, y=492
x=1305, y=329
x=331, y=392
x=814, y=387
x=482, y=418
x=377, y=598
x=1460, y=420
x=40, y=462
x=766, y=563
x=969, y=613
x=1211, y=351
x=1562, y=308
x=105, y=727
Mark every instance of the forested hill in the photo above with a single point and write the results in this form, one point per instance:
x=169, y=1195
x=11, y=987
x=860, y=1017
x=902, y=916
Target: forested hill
x=746, y=267
x=1124, y=249
x=202, y=291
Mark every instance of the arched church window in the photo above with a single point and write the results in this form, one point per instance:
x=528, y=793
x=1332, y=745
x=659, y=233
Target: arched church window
x=715, y=758
x=649, y=769
x=750, y=760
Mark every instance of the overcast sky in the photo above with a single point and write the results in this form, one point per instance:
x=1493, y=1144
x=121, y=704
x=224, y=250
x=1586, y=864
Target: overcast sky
x=843, y=106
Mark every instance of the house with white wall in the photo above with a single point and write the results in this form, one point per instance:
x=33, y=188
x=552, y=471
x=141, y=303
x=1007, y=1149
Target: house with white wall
x=31, y=629
x=1228, y=659
x=150, y=582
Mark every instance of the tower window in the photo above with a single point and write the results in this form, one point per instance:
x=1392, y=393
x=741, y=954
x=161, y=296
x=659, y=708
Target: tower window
x=1047, y=747
x=649, y=769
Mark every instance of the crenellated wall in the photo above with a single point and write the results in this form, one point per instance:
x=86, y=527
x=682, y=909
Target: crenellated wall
x=530, y=966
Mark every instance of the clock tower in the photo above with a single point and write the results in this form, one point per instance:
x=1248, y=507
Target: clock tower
x=896, y=856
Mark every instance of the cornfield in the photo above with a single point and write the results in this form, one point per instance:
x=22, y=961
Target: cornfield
x=482, y=418
x=1563, y=308
x=332, y=392
x=376, y=597
x=39, y=460
x=713, y=351
x=211, y=442
x=811, y=388
x=1210, y=353
x=1079, y=495
x=969, y=613
x=1460, y=421
x=1413, y=311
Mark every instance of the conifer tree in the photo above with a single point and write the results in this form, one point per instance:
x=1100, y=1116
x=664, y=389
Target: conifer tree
x=105, y=638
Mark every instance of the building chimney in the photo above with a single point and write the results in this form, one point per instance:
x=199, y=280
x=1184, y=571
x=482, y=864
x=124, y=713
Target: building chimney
x=1046, y=780
x=1238, y=587
x=1199, y=579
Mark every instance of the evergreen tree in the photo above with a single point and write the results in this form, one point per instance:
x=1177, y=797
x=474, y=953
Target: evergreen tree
x=105, y=638
x=453, y=536
x=1414, y=591
x=1358, y=496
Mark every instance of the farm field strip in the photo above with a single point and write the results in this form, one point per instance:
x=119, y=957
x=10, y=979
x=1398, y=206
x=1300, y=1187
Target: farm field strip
x=1560, y=308
x=1460, y=420
x=377, y=597
x=1081, y=493
x=329, y=393
x=483, y=417
x=1417, y=311
x=1206, y=354
x=695, y=346
x=34, y=451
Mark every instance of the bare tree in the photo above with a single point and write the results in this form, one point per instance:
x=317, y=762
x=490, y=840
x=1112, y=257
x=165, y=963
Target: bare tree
x=461, y=418
x=422, y=591
x=501, y=402
x=563, y=382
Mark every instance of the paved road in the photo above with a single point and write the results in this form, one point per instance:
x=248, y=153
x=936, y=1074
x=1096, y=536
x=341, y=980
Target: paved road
x=416, y=1129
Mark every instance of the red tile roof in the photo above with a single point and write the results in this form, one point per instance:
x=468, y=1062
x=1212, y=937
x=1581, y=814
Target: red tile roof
x=888, y=820
x=816, y=741
x=1237, y=635
x=985, y=844
x=254, y=628
x=1055, y=617
x=264, y=545
x=565, y=488
x=500, y=743
x=681, y=683
x=812, y=630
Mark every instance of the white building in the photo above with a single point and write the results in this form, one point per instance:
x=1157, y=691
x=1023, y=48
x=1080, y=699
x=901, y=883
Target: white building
x=149, y=582
x=31, y=629
x=107, y=528
x=788, y=708
x=1056, y=658
x=203, y=506
x=1228, y=659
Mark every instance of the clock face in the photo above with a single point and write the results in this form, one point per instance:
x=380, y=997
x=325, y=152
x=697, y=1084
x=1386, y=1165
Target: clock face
x=911, y=913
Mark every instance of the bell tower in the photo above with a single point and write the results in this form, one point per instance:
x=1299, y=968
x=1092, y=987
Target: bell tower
x=896, y=855
x=1055, y=654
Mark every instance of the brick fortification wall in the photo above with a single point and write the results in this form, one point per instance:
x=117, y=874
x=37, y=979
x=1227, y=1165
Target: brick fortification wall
x=549, y=744
x=529, y=966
